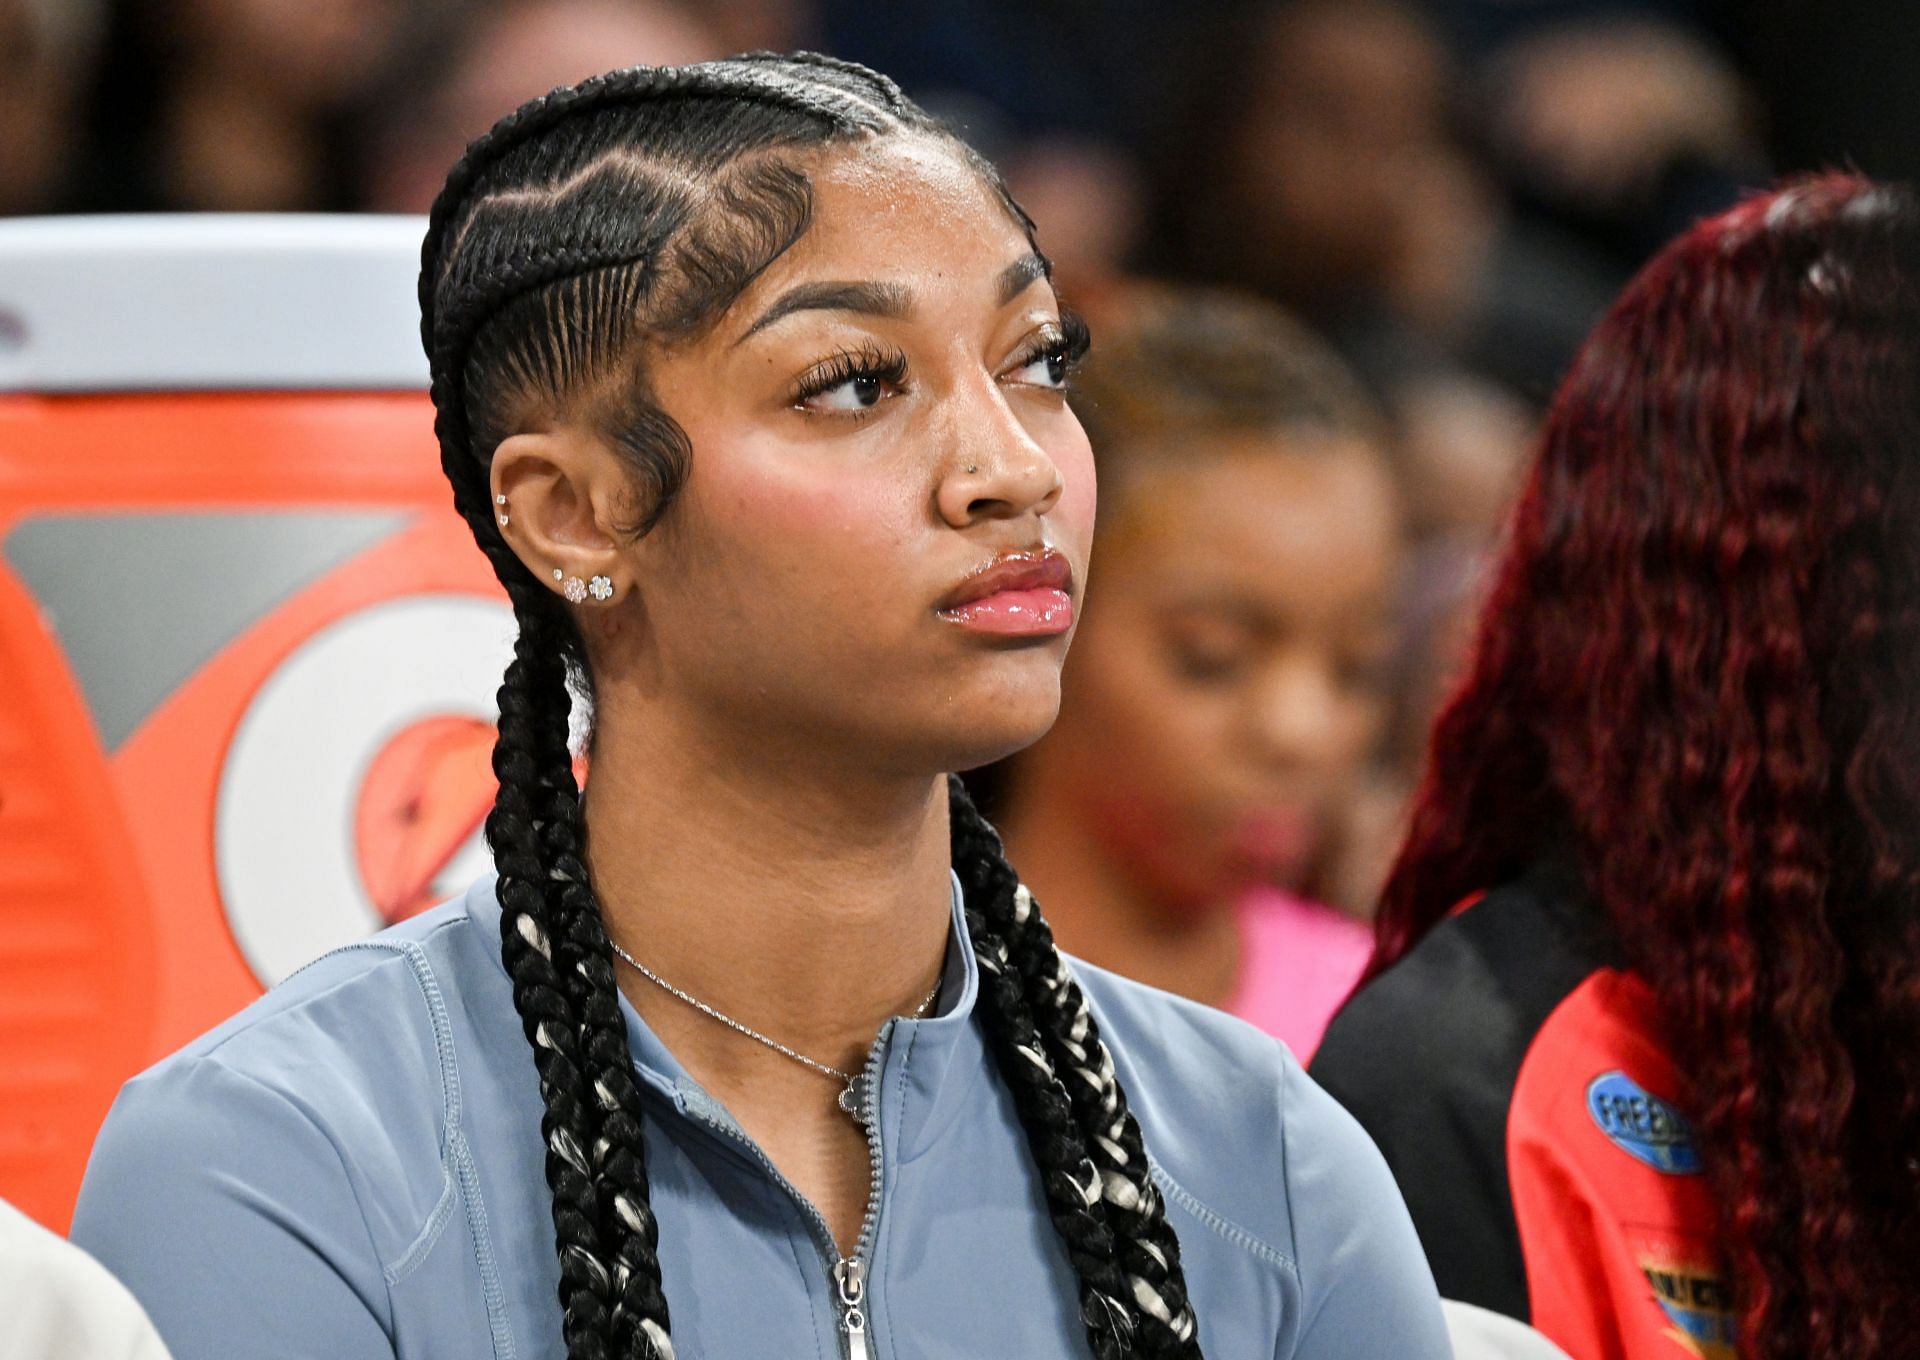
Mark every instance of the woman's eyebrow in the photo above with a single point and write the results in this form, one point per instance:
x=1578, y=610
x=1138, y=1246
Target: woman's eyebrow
x=1017, y=277
x=892, y=300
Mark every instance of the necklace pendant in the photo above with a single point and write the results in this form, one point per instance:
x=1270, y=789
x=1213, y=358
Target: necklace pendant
x=851, y=1100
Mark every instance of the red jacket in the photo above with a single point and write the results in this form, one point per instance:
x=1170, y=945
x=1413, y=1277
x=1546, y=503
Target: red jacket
x=1511, y=1070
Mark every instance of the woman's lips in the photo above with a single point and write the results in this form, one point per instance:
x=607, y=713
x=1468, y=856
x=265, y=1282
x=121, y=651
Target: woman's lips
x=1272, y=839
x=1024, y=594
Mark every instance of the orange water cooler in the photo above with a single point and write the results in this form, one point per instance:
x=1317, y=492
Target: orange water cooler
x=247, y=649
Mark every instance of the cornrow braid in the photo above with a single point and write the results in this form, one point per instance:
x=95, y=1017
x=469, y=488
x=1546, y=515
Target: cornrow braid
x=633, y=206
x=1148, y=1250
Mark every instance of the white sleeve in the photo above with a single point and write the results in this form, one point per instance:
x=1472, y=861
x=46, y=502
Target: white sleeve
x=58, y=1303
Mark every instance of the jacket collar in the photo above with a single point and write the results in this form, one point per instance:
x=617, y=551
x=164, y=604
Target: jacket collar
x=932, y=1066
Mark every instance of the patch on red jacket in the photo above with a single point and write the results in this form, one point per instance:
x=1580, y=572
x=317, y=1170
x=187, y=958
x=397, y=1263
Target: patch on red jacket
x=1642, y=1125
x=1697, y=1301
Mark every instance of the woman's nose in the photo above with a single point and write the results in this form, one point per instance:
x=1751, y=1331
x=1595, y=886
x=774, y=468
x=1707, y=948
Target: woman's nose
x=993, y=467
x=1295, y=715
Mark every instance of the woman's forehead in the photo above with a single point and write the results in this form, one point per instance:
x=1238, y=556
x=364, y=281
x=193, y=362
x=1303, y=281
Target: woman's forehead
x=915, y=207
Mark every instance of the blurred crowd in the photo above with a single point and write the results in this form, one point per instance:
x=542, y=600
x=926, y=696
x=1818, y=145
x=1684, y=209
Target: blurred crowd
x=1444, y=193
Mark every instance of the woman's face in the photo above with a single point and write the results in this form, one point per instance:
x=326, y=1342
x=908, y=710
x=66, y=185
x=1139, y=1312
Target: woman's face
x=1228, y=683
x=878, y=420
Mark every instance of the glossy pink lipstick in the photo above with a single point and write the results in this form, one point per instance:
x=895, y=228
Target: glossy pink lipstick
x=1023, y=594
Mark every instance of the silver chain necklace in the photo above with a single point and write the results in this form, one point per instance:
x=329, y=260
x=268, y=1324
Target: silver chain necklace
x=849, y=1100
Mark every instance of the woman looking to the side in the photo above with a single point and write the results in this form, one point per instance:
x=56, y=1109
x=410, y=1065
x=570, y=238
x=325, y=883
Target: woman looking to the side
x=1658, y=1089
x=749, y=382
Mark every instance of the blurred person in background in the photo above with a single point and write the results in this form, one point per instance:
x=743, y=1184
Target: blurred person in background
x=1321, y=167
x=1642, y=1040
x=237, y=105
x=1229, y=686
x=1623, y=120
x=482, y=59
x=47, y=48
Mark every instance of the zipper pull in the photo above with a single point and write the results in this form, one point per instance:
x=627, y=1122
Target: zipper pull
x=850, y=1280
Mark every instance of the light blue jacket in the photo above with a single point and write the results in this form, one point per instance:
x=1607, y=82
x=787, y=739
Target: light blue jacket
x=352, y=1168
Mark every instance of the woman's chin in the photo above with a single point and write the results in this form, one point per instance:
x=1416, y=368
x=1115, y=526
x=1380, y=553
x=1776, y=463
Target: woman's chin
x=990, y=729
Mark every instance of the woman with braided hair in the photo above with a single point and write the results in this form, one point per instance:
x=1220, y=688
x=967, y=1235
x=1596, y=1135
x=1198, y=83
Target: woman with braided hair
x=749, y=382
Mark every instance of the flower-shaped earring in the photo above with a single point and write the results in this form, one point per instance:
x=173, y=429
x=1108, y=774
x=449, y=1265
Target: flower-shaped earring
x=601, y=588
x=572, y=588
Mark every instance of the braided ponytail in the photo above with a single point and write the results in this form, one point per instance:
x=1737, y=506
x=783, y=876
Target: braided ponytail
x=584, y=225
x=530, y=923
x=1148, y=1252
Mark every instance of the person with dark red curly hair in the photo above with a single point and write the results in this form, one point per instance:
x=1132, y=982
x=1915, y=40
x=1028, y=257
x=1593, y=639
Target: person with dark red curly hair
x=1655, y=1086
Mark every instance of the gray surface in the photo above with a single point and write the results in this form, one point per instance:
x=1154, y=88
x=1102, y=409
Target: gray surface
x=211, y=302
x=1481, y=1335
x=141, y=602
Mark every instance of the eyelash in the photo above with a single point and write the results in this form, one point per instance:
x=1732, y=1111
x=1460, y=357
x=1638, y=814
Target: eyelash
x=1068, y=341
x=868, y=361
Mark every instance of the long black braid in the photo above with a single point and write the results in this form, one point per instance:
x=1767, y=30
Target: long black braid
x=627, y=210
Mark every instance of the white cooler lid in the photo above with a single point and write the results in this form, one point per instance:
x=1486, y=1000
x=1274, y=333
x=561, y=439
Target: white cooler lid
x=210, y=302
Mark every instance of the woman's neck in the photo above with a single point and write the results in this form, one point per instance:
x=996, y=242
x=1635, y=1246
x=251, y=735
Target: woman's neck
x=809, y=906
x=1104, y=915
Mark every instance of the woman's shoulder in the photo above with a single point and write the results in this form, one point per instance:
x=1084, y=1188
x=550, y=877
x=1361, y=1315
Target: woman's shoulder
x=369, y=1014
x=348, y=1069
x=1471, y=994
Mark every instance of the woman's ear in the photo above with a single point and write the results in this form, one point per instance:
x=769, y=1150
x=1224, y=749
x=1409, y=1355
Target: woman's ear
x=557, y=496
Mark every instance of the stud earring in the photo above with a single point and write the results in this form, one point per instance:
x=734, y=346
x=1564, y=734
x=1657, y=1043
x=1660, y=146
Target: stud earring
x=503, y=521
x=601, y=588
x=559, y=575
x=574, y=589
x=501, y=499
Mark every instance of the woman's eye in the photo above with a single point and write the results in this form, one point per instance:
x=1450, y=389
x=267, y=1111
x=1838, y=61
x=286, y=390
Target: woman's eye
x=1208, y=655
x=852, y=382
x=1046, y=369
x=862, y=392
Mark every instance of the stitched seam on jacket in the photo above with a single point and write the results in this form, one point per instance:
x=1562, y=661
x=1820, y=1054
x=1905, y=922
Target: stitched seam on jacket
x=455, y=1159
x=450, y=1107
x=391, y=1321
x=1225, y=1227
x=429, y=1234
x=906, y=1063
x=503, y=1348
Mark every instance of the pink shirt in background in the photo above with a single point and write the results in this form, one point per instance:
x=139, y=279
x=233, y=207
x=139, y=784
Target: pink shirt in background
x=1298, y=962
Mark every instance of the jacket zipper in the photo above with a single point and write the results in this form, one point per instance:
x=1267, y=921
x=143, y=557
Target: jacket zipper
x=847, y=1274
x=850, y=1282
